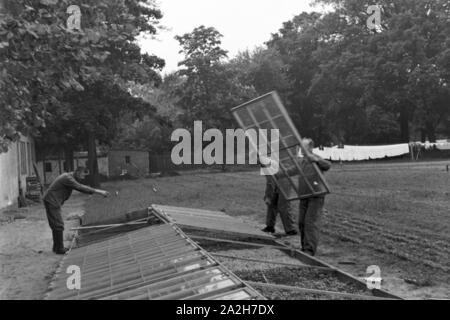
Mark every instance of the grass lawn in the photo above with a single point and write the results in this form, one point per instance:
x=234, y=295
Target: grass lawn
x=394, y=215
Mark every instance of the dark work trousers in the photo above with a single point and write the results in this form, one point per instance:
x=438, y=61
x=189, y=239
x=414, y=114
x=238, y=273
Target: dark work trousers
x=283, y=207
x=54, y=217
x=310, y=216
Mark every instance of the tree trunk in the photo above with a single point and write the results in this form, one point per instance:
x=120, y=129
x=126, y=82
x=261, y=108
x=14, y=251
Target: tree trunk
x=431, y=133
x=43, y=170
x=93, y=179
x=224, y=154
x=68, y=157
x=423, y=136
x=59, y=161
x=404, y=124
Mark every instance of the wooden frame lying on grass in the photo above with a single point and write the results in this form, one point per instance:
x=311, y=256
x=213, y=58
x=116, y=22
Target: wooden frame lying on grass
x=207, y=220
x=311, y=262
x=266, y=113
x=284, y=264
x=315, y=291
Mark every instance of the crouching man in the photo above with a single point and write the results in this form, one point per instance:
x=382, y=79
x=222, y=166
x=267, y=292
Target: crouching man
x=55, y=196
x=311, y=208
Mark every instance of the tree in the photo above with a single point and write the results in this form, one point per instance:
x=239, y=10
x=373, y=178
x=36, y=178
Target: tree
x=36, y=65
x=211, y=87
x=348, y=83
x=262, y=69
x=204, y=74
x=45, y=67
x=432, y=96
x=154, y=130
x=296, y=43
x=413, y=38
x=96, y=114
x=164, y=97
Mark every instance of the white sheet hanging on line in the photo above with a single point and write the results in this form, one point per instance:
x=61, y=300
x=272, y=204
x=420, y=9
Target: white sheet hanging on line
x=440, y=145
x=443, y=146
x=361, y=153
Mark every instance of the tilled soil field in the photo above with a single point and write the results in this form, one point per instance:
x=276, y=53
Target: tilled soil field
x=410, y=244
x=309, y=278
x=277, y=294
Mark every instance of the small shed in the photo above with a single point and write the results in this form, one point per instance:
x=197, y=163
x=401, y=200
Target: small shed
x=134, y=163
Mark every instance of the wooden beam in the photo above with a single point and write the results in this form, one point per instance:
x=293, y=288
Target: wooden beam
x=108, y=226
x=314, y=291
x=302, y=266
x=309, y=260
x=341, y=274
x=242, y=243
x=235, y=234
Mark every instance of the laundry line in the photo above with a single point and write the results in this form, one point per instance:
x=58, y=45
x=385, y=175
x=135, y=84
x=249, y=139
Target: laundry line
x=361, y=153
x=440, y=145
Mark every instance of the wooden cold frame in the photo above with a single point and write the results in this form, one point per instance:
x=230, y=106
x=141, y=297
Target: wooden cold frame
x=268, y=112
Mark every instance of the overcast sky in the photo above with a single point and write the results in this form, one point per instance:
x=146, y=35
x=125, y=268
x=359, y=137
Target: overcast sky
x=243, y=23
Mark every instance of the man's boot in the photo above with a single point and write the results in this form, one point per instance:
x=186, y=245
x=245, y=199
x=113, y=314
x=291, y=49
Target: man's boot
x=59, y=243
x=54, y=240
x=268, y=229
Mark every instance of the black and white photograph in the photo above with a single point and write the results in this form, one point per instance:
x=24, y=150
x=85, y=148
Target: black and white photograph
x=250, y=152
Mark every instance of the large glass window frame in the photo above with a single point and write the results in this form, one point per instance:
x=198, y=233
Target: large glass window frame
x=293, y=179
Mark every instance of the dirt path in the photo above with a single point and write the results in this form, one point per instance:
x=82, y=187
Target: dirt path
x=26, y=261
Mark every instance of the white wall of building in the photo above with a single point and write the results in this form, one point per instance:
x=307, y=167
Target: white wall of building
x=9, y=185
x=15, y=166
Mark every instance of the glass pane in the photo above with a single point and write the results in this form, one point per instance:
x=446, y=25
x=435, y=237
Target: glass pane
x=245, y=118
x=237, y=295
x=301, y=181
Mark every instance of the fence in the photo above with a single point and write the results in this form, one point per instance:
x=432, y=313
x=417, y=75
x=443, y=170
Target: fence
x=164, y=163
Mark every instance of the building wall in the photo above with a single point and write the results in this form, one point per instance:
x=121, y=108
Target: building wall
x=103, y=167
x=15, y=166
x=9, y=186
x=137, y=166
x=54, y=165
x=111, y=166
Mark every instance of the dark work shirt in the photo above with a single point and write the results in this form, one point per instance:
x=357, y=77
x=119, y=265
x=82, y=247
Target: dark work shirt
x=61, y=189
x=310, y=173
x=323, y=164
x=307, y=167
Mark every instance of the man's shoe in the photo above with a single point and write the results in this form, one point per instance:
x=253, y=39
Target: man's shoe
x=292, y=233
x=269, y=230
x=61, y=251
x=309, y=252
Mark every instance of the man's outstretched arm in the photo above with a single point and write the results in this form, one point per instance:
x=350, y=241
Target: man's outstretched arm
x=72, y=183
